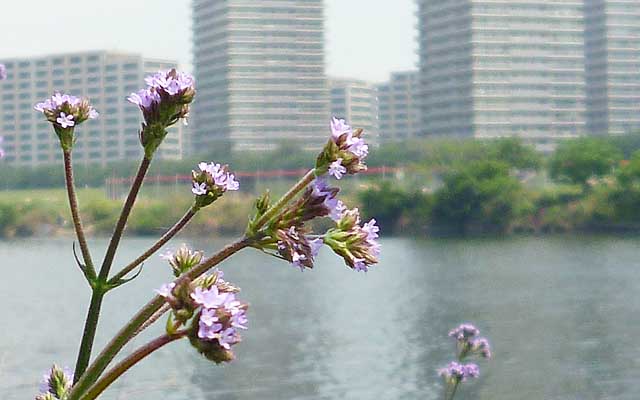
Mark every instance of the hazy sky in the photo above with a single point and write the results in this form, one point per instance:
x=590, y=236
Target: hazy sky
x=365, y=38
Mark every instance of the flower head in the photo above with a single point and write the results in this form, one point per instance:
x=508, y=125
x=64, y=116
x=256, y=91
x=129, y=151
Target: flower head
x=210, y=181
x=464, y=332
x=356, y=244
x=481, y=346
x=3, y=72
x=56, y=382
x=455, y=372
x=219, y=320
x=345, y=151
x=294, y=246
x=183, y=259
x=1, y=149
x=163, y=102
x=66, y=112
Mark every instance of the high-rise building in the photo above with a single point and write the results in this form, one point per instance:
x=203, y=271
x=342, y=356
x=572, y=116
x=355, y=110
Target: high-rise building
x=259, y=66
x=356, y=102
x=398, y=111
x=106, y=78
x=502, y=68
x=612, y=39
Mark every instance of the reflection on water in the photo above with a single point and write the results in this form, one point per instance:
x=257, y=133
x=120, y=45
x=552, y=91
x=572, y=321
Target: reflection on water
x=561, y=313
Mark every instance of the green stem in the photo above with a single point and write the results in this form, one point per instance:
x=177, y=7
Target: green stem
x=122, y=221
x=103, y=359
x=90, y=327
x=302, y=183
x=131, y=360
x=453, y=391
x=91, y=323
x=75, y=214
x=161, y=242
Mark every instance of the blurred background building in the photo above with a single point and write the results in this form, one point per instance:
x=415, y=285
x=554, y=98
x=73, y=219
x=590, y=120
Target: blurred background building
x=612, y=38
x=492, y=69
x=260, y=68
x=399, y=111
x=355, y=101
x=107, y=78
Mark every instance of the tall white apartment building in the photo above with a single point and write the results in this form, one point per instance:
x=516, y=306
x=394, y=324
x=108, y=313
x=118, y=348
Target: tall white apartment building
x=106, y=78
x=259, y=67
x=612, y=51
x=502, y=68
x=356, y=102
x=398, y=110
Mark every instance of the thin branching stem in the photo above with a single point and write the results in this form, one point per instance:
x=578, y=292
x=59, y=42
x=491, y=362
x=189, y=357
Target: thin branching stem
x=123, y=366
x=75, y=212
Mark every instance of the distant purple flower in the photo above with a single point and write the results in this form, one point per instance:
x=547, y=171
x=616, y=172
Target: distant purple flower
x=65, y=120
x=464, y=332
x=336, y=169
x=166, y=289
x=316, y=245
x=455, y=372
x=3, y=72
x=481, y=346
x=1, y=149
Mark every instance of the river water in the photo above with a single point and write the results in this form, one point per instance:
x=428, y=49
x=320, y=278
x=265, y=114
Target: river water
x=562, y=314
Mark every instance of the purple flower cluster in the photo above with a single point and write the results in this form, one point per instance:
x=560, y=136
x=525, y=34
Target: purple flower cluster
x=295, y=247
x=455, y=373
x=163, y=102
x=345, y=152
x=221, y=316
x=464, y=332
x=469, y=343
x=66, y=110
x=334, y=206
x=55, y=383
x=358, y=245
x=3, y=72
x=1, y=149
x=211, y=181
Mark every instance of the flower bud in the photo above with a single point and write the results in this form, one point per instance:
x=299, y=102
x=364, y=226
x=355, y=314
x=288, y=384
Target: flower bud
x=210, y=182
x=183, y=260
x=55, y=383
x=294, y=246
x=356, y=244
x=66, y=112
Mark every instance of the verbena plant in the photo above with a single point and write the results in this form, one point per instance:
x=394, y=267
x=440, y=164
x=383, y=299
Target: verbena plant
x=202, y=307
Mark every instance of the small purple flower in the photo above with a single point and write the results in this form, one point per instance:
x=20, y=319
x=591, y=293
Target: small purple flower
x=371, y=229
x=211, y=181
x=339, y=127
x=65, y=120
x=211, y=298
x=455, y=372
x=316, y=245
x=166, y=289
x=1, y=149
x=464, y=332
x=336, y=169
x=3, y=72
x=481, y=346
x=239, y=320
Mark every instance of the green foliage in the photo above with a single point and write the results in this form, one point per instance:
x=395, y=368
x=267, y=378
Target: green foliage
x=395, y=209
x=479, y=196
x=577, y=161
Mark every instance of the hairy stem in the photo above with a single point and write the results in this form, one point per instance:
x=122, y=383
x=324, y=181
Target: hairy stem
x=148, y=311
x=161, y=242
x=90, y=326
x=99, y=289
x=75, y=212
x=131, y=360
x=124, y=216
x=302, y=183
